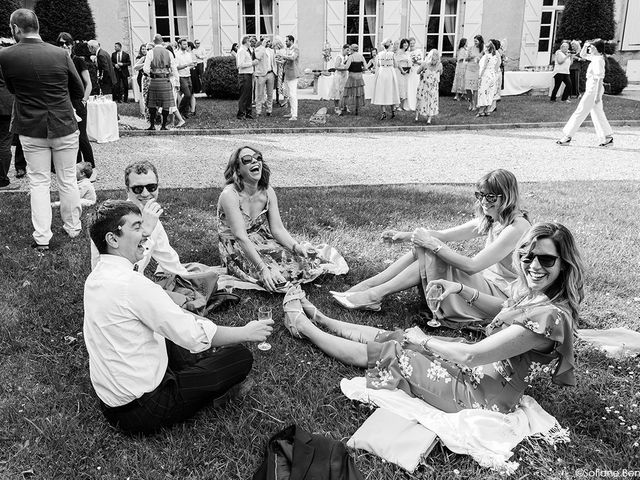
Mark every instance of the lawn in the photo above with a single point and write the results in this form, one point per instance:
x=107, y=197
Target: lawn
x=221, y=114
x=50, y=426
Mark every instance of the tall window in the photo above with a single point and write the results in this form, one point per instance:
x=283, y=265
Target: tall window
x=550, y=20
x=171, y=19
x=441, y=27
x=257, y=17
x=361, y=24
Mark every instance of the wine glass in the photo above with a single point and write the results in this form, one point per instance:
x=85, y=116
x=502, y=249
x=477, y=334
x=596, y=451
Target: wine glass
x=264, y=313
x=433, y=302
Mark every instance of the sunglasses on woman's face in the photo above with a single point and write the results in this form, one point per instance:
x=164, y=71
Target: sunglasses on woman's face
x=249, y=159
x=546, y=261
x=151, y=187
x=489, y=197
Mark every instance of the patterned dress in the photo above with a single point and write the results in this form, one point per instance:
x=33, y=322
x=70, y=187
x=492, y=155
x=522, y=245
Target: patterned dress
x=339, y=79
x=472, y=70
x=487, y=89
x=429, y=90
x=461, y=68
x=497, y=386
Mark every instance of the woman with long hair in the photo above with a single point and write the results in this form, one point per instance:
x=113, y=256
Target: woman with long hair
x=499, y=218
x=489, y=79
x=385, y=86
x=428, y=96
x=403, y=68
x=142, y=53
x=461, y=67
x=371, y=64
x=591, y=101
x=253, y=242
x=472, y=73
x=530, y=335
x=353, y=93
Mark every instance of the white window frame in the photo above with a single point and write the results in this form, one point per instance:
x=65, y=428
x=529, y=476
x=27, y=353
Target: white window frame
x=544, y=57
x=257, y=17
x=173, y=36
x=441, y=33
x=349, y=37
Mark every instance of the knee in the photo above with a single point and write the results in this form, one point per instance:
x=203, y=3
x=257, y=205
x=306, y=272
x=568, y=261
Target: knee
x=243, y=357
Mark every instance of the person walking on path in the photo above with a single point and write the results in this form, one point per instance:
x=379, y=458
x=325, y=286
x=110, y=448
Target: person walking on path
x=591, y=102
x=45, y=82
x=563, y=60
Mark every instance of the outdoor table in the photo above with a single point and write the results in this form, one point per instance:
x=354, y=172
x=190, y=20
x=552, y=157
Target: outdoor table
x=102, y=120
x=517, y=83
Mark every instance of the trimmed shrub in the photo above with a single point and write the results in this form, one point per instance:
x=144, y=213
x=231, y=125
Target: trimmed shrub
x=446, y=78
x=587, y=20
x=615, y=78
x=72, y=16
x=221, y=78
x=7, y=7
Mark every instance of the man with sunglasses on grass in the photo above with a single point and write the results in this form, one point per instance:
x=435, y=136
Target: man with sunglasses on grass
x=190, y=285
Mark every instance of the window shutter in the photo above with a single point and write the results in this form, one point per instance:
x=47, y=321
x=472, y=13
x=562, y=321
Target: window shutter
x=418, y=21
x=336, y=13
x=229, y=24
x=141, y=29
x=530, y=32
x=288, y=18
x=392, y=19
x=631, y=32
x=472, y=19
x=202, y=23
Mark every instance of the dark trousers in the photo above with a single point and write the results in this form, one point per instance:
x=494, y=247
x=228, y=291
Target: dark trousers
x=574, y=73
x=245, y=85
x=106, y=86
x=196, y=77
x=186, y=88
x=6, y=138
x=560, y=78
x=20, y=162
x=190, y=383
x=121, y=87
x=85, y=152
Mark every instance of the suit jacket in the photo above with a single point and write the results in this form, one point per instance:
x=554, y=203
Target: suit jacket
x=291, y=68
x=295, y=454
x=105, y=66
x=125, y=60
x=6, y=99
x=44, y=81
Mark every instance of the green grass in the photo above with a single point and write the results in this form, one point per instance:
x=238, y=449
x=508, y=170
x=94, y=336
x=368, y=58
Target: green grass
x=221, y=114
x=50, y=423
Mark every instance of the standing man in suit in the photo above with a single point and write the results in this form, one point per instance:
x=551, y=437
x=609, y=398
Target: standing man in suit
x=245, y=65
x=44, y=81
x=291, y=73
x=121, y=63
x=106, y=73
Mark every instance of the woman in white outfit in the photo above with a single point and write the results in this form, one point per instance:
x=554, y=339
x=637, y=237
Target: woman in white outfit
x=591, y=102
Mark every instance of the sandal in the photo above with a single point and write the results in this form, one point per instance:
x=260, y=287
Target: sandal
x=607, y=142
x=564, y=140
x=291, y=304
x=307, y=306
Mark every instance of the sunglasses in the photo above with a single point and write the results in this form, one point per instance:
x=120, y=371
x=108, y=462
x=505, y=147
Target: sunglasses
x=489, y=197
x=248, y=159
x=137, y=189
x=546, y=261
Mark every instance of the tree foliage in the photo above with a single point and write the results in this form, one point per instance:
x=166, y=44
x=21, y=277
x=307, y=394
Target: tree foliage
x=587, y=19
x=7, y=7
x=72, y=16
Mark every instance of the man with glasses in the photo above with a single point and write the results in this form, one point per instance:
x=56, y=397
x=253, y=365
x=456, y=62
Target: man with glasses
x=121, y=62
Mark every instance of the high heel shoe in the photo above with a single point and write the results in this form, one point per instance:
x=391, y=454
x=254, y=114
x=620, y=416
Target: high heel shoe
x=310, y=310
x=346, y=303
x=383, y=116
x=564, y=140
x=291, y=304
x=607, y=142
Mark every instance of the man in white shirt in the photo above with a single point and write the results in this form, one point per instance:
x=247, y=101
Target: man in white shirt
x=141, y=345
x=245, y=64
x=265, y=75
x=184, y=60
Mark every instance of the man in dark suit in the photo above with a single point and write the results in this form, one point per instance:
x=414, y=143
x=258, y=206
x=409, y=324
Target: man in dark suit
x=44, y=80
x=121, y=62
x=106, y=73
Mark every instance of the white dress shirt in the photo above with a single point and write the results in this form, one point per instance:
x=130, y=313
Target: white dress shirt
x=184, y=60
x=244, y=62
x=126, y=320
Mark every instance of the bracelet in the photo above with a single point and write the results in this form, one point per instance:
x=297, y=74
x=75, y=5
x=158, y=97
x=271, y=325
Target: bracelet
x=437, y=249
x=475, y=296
x=461, y=288
x=424, y=342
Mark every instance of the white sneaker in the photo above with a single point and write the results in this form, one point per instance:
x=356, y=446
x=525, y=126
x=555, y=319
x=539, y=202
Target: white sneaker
x=293, y=119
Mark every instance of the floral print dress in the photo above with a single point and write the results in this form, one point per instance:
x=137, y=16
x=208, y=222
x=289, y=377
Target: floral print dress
x=429, y=90
x=499, y=386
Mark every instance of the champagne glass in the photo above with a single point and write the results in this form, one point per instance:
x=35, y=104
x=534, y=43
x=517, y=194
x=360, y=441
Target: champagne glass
x=264, y=313
x=433, y=302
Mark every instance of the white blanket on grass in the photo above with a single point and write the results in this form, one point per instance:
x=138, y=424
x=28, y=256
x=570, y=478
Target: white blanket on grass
x=489, y=437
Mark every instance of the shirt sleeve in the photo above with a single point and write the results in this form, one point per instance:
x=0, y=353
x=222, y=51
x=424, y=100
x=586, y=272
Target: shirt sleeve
x=163, y=252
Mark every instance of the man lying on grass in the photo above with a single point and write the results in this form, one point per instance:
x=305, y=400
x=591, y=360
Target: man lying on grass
x=141, y=345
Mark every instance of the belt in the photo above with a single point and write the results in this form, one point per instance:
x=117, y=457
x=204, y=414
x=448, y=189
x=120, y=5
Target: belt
x=159, y=75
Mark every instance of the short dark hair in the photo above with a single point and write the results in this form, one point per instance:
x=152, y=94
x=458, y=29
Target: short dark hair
x=231, y=172
x=118, y=43
x=403, y=42
x=65, y=37
x=107, y=218
x=26, y=20
x=245, y=39
x=138, y=167
x=291, y=37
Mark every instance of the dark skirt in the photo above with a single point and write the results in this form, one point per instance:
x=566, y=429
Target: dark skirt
x=354, y=90
x=160, y=93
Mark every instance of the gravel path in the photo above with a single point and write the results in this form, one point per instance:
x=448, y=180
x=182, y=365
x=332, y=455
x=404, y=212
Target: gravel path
x=371, y=158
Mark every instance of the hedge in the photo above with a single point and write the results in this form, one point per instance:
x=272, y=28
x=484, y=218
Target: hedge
x=7, y=7
x=72, y=16
x=446, y=78
x=221, y=78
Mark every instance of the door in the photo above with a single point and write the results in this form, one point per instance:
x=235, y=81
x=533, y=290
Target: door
x=202, y=23
x=229, y=24
x=392, y=19
x=140, y=24
x=531, y=32
x=288, y=18
x=418, y=21
x=336, y=11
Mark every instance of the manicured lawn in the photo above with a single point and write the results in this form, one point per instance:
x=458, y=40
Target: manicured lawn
x=50, y=423
x=221, y=114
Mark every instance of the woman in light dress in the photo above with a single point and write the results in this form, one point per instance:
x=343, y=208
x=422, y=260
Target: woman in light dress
x=415, y=60
x=353, y=93
x=471, y=76
x=385, y=86
x=339, y=79
x=403, y=67
x=461, y=68
x=429, y=89
x=489, y=68
x=591, y=101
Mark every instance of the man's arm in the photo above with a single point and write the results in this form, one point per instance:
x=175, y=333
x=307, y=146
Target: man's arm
x=184, y=61
x=126, y=60
x=147, y=62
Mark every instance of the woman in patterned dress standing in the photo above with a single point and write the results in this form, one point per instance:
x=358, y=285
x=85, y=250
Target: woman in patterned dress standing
x=471, y=76
x=429, y=89
x=489, y=68
x=461, y=68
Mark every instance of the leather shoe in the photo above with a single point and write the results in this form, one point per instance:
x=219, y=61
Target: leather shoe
x=20, y=173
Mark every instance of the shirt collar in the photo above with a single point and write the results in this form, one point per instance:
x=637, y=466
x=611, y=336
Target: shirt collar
x=115, y=260
x=31, y=40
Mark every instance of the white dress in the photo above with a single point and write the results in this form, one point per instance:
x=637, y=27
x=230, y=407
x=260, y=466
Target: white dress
x=385, y=87
x=415, y=60
x=488, y=79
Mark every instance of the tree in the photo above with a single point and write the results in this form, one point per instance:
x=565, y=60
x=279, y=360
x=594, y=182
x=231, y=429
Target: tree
x=72, y=16
x=587, y=19
x=7, y=7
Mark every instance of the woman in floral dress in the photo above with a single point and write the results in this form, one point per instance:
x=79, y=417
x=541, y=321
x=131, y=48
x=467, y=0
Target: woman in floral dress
x=471, y=76
x=461, y=68
x=429, y=89
x=532, y=334
x=254, y=245
x=487, y=88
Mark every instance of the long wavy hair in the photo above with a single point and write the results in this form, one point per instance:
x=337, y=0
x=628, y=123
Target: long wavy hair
x=568, y=289
x=231, y=172
x=480, y=42
x=501, y=182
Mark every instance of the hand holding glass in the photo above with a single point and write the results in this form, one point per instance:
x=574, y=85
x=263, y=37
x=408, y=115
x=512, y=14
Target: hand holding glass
x=433, y=302
x=264, y=313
